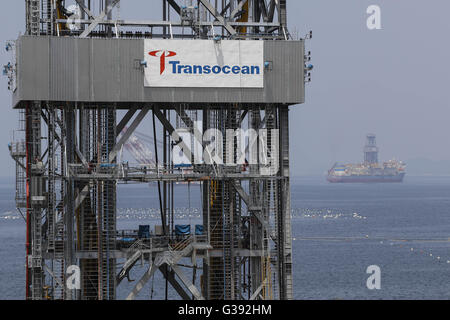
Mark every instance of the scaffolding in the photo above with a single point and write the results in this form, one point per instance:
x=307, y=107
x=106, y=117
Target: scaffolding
x=68, y=168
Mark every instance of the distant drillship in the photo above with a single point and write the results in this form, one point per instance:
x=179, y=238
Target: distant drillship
x=370, y=170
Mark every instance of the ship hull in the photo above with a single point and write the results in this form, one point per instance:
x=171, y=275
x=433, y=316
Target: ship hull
x=366, y=179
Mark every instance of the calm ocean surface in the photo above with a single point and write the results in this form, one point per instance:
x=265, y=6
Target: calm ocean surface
x=338, y=230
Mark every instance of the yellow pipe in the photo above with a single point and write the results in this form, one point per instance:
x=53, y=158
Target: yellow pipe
x=244, y=18
x=60, y=15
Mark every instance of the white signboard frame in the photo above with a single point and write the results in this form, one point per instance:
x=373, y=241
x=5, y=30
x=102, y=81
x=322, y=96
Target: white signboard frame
x=204, y=63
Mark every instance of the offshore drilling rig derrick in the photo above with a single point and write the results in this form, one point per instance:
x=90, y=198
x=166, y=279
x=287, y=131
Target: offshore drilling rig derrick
x=83, y=79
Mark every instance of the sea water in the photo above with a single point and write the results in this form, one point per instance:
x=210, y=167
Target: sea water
x=338, y=231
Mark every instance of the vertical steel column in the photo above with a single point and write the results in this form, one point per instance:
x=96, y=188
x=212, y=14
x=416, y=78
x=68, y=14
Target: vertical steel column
x=87, y=227
x=206, y=210
x=69, y=212
x=35, y=202
x=284, y=219
x=255, y=189
x=283, y=14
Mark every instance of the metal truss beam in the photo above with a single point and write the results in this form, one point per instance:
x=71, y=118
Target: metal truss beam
x=148, y=23
x=120, y=254
x=175, y=177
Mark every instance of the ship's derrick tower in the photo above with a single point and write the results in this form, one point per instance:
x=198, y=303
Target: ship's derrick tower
x=82, y=74
x=371, y=150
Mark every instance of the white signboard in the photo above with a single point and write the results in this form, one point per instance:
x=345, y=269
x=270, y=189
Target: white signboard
x=204, y=63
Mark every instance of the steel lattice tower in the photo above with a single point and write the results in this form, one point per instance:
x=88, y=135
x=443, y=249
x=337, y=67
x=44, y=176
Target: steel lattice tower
x=67, y=159
x=371, y=150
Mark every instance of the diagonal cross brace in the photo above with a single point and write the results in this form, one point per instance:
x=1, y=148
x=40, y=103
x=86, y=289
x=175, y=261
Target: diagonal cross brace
x=189, y=285
x=237, y=9
x=175, y=6
x=217, y=15
x=198, y=136
x=263, y=9
x=98, y=19
x=273, y=4
x=170, y=276
x=126, y=118
x=128, y=133
x=85, y=9
x=81, y=196
x=242, y=193
x=173, y=133
x=58, y=280
x=257, y=291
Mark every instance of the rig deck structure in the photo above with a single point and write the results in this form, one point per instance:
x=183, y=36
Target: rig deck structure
x=75, y=71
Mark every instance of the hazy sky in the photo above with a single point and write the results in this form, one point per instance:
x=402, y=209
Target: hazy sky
x=392, y=82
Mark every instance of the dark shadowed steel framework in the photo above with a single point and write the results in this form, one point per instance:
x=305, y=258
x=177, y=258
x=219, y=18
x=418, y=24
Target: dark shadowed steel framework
x=67, y=153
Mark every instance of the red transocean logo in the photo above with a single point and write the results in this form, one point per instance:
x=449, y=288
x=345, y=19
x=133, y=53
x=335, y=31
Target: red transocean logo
x=162, y=55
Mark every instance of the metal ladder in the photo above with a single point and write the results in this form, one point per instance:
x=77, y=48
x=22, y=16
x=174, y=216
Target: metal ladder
x=35, y=210
x=18, y=153
x=216, y=264
x=34, y=17
x=285, y=192
x=51, y=201
x=107, y=199
x=47, y=15
x=53, y=229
